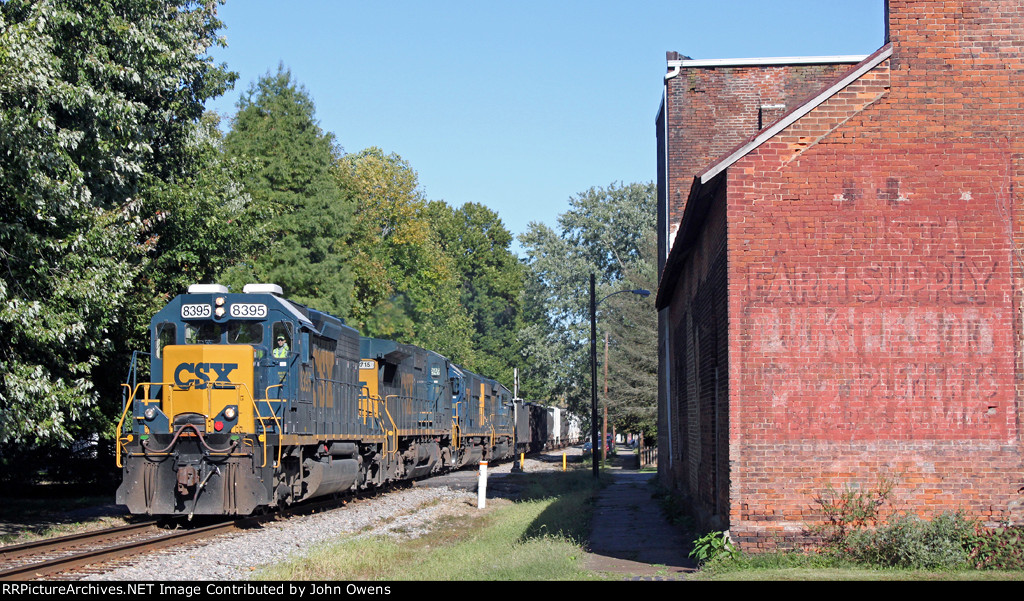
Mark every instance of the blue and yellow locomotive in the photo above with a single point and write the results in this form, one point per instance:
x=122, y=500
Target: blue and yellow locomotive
x=256, y=401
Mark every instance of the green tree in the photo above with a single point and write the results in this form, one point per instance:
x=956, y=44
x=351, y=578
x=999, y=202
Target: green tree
x=631, y=326
x=296, y=192
x=202, y=223
x=407, y=287
x=553, y=335
x=99, y=113
x=490, y=282
x=604, y=233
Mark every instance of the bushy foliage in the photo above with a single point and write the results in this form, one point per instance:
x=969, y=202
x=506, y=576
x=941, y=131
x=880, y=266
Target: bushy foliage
x=998, y=548
x=944, y=542
x=490, y=282
x=855, y=531
x=302, y=210
x=850, y=509
x=100, y=144
x=407, y=287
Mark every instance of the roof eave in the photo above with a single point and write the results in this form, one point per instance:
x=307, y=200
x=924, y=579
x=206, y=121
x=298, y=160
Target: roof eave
x=767, y=61
x=789, y=118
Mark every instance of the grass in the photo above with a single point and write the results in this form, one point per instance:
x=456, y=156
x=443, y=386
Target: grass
x=795, y=565
x=26, y=520
x=17, y=508
x=540, y=537
x=805, y=567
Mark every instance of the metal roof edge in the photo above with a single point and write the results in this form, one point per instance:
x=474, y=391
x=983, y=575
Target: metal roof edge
x=766, y=61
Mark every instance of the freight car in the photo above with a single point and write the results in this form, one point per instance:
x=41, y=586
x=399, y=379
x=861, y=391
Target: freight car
x=256, y=401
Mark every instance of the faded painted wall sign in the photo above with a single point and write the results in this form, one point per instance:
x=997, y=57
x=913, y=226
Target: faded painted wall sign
x=890, y=320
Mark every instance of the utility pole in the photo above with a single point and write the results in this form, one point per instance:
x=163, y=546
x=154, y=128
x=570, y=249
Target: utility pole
x=604, y=431
x=593, y=376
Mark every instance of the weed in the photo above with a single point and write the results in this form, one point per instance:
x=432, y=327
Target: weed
x=849, y=510
x=713, y=546
x=854, y=531
x=674, y=507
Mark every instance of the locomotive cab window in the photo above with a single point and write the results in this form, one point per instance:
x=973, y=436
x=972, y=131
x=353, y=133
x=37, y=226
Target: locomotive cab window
x=166, y=333
x=388, y=373
x=283, y=341
x=204, y=333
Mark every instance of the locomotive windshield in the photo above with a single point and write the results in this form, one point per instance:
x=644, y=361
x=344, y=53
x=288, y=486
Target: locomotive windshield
x=245, y=332
x=203, y=333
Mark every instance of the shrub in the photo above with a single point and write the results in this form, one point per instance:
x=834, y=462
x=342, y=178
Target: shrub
x=910, y=542
x=998, y=548
x=849, y=510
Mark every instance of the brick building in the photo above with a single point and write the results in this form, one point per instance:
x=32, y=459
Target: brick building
x=840, y=298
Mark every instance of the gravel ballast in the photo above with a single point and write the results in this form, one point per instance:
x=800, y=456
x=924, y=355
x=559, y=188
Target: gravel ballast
x=402, y=513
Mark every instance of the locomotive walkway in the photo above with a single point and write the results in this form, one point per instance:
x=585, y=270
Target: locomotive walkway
x=630, y=535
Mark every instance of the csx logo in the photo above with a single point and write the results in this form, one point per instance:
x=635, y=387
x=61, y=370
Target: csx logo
x=199, y=374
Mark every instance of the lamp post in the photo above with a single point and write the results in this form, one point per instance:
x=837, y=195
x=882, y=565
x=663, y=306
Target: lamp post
x=593, y=364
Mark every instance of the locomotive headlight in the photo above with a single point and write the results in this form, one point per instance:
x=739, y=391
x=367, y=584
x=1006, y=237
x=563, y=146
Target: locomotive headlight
x=230, y=413
x=149, y=413
x=219, y=302
x=219, y=311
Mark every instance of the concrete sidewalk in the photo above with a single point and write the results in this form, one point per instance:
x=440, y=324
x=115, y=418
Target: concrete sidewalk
x=630, y=535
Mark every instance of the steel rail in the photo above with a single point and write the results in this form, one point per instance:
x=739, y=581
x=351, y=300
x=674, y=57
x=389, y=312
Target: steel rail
x=49, y=567
x=45, y=545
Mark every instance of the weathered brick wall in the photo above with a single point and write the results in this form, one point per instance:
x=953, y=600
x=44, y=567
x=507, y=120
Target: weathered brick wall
x=874, y=284
x=709, y=111
x=699, y=463
x=712, y=109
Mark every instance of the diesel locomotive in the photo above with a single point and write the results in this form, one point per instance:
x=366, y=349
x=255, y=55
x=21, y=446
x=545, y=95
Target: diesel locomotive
x=255, y=401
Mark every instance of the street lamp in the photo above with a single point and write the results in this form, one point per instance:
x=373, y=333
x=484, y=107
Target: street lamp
x=593, y=363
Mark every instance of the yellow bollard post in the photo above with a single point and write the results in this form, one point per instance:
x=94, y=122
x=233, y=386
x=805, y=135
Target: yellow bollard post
x=563, y=462
x=522, y=461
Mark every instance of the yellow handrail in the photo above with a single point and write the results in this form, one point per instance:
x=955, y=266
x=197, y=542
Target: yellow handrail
x=120, y=425
x=456, y=433
x=280, y=429
x=239, y=387
x=256, y=413
x=128, y=405
x=391, y=419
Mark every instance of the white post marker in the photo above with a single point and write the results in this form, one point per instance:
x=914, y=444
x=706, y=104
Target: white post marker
x=481, y=487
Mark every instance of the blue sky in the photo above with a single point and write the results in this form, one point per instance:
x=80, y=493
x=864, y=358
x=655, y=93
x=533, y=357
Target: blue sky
x=515, y=105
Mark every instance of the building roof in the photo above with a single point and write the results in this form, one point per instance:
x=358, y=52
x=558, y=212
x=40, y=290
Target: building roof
x=869, y=63
x=765, y=61
x=701, y=193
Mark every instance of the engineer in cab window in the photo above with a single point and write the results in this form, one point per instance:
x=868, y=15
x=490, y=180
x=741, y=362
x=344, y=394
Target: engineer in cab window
x=281, y=350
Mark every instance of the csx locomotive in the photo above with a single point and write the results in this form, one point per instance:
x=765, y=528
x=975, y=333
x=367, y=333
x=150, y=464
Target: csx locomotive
x=256, y=401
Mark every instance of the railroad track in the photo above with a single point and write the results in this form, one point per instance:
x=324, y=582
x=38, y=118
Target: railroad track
x=66, y=554
x=53, y=556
